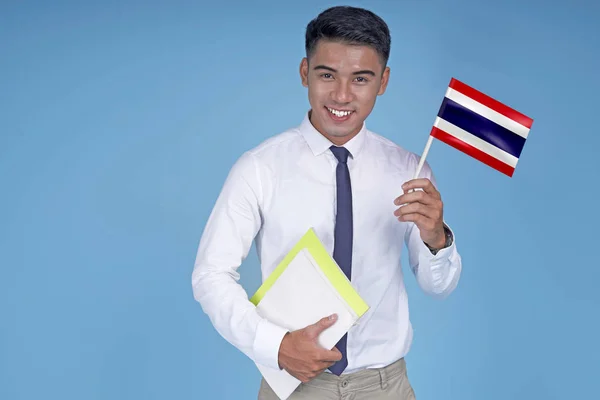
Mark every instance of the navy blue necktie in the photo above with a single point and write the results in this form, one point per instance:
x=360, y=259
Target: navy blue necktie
x=342, y=250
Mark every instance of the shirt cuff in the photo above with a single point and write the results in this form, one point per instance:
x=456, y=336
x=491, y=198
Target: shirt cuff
x=267, y=342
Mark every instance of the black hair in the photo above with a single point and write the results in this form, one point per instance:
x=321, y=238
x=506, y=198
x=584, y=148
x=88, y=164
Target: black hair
x=349, y=25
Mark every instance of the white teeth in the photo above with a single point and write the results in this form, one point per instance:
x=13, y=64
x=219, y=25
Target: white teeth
x=339, y=113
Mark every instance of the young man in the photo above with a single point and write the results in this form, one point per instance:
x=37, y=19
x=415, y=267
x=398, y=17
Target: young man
x=354, y=188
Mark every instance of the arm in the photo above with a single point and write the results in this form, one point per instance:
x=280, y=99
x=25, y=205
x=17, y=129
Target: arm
x=437, y=266
x=227, y=238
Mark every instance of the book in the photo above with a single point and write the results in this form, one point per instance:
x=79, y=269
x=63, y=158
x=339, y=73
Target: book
x=306, y=286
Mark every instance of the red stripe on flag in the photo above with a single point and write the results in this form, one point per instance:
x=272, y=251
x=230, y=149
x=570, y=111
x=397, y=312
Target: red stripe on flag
x=491, y=103
x=472, y=151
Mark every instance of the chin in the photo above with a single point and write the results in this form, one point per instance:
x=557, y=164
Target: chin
x=339, y=133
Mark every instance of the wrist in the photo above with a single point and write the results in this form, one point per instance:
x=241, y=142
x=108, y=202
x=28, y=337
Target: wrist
x=445, y=241
x=438, y=242
x=281, y=350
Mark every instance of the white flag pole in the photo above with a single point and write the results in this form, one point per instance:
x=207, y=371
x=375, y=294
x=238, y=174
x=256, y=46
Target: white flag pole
x=422, y=161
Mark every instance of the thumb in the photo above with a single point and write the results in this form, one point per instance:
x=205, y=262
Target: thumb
x=323, y=324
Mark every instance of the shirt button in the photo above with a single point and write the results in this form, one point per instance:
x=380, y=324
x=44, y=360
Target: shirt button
x=344, y=383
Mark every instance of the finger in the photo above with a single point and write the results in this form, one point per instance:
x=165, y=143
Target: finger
x=330, y=356
x=326, y=364
x=317, y=372
x=433, y=210
x=418, y=196
x=322, y=324
x=423, y=223
x=418, y=208
x=421, y=183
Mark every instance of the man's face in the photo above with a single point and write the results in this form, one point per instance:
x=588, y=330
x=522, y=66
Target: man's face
x=343, y=83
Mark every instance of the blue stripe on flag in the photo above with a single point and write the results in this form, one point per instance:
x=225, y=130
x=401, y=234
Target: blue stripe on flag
x=481, y=127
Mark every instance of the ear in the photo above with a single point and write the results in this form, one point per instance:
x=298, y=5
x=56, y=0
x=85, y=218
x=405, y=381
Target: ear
x=384, y=81
x=304, y=72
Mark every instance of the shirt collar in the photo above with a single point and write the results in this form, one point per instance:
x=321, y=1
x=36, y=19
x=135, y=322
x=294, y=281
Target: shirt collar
x=320, y=144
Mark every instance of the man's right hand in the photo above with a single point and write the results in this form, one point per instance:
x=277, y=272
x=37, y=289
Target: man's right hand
x=301, y=355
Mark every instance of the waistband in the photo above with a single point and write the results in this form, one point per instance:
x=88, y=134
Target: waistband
x=360, y=379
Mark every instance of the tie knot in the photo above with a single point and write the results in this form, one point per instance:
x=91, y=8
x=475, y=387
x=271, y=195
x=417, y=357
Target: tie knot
x=341, y=153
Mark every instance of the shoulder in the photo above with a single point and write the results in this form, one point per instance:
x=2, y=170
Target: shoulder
x=251, y=167
x=268, y=151
x=273, y=145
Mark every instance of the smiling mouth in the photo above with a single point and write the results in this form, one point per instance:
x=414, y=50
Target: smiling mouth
x=339, y=113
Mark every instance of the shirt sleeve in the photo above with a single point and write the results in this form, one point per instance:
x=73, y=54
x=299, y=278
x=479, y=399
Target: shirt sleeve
x=227, y=238
x=438, y=274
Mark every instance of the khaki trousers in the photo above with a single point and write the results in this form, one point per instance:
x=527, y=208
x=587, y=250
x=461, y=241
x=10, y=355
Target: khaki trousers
x=390, y=382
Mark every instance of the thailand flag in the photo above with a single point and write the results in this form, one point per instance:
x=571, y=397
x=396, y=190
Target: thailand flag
x=481, y=127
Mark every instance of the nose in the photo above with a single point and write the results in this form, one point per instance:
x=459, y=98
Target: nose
x=342, y=93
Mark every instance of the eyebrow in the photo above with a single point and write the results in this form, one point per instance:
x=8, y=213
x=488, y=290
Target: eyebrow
x=361, y=72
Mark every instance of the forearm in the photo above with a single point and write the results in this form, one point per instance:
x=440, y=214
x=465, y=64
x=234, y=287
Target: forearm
x=233, y=316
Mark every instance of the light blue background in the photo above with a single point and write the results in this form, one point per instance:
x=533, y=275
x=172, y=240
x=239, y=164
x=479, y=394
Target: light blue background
x=120, y=120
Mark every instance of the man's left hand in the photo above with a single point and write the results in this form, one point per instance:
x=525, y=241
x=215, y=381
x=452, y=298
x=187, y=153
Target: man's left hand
x=424, y=208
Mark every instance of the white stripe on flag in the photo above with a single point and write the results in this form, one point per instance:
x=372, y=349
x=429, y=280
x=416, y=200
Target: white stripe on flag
x=476, y=142
x=487, y=112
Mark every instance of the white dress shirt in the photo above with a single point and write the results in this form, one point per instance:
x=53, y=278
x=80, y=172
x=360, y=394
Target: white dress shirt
x=284, y=186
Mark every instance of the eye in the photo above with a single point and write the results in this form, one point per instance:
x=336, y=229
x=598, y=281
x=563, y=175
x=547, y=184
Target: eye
x=362, y=79
x=326, y=75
